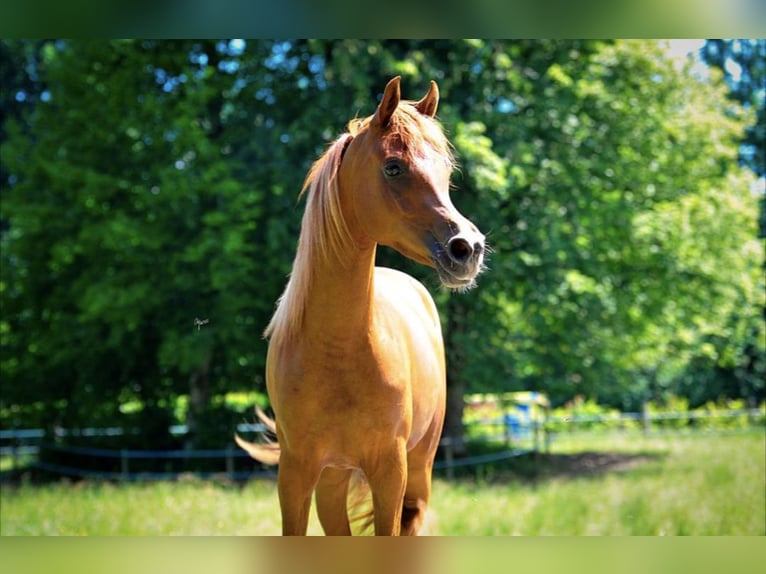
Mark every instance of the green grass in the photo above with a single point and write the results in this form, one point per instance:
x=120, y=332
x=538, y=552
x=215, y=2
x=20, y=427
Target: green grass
x=675, y=484
x=669, y=485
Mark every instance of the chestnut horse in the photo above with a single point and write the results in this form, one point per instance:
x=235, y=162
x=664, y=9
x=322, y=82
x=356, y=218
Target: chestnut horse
x=355, y=369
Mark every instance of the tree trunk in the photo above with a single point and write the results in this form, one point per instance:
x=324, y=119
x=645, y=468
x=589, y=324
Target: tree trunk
x=456, y=385
x=199, y=399
x=453, y=422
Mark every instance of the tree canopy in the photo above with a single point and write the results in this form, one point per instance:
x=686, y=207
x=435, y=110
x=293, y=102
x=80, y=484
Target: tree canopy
x=149, y=216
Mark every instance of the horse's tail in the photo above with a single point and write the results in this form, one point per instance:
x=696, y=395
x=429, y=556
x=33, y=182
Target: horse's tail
x=266, y=452
x=361, y=515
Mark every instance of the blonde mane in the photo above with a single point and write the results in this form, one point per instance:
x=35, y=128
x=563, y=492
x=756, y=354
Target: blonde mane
x=324, y=233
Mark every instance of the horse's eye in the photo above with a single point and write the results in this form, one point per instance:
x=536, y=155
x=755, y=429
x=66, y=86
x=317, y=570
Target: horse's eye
x=392, y=169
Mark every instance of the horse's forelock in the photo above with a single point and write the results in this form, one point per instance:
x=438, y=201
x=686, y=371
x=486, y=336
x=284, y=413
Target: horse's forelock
x=421, y=135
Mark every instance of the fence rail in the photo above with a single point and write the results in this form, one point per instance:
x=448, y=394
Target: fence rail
x=519, y=439
x=694, y=414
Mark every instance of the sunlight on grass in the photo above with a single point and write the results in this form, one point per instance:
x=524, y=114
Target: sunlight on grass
x=681, y=485
x=699, y=486
x=184, y=508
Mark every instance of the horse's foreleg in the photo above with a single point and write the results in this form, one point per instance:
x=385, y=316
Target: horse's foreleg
x=295, y=483
x=387, y=478
x=331, y=495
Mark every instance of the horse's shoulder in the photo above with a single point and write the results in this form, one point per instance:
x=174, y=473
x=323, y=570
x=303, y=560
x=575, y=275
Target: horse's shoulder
x=402, y=290
x=395, y=279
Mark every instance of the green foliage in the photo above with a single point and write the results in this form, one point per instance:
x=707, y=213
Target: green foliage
x=127, y=225
x=677, y=408
x=743, y=63
x=148, y=217
x=595, y=418
x=716, y=419
x=673, y=413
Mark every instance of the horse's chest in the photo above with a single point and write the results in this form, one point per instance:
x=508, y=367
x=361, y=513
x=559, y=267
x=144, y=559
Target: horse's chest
x=329, y=380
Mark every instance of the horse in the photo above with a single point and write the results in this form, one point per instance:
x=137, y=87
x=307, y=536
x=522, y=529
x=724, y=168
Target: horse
x=355, y=368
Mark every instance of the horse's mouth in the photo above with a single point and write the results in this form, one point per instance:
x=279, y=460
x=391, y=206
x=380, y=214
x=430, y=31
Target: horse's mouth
x=452, y=275
x=451, y=280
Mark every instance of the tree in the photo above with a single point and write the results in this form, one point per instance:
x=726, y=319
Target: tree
x=743, y=63
x=636, y=221
x=150, y=217
x=608, y=182
x=740, y=359
x=126, y=225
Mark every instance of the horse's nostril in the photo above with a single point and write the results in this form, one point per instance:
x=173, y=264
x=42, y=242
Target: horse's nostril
x=459, y=249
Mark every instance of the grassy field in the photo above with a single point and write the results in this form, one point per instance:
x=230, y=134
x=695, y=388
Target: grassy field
x=674, y=484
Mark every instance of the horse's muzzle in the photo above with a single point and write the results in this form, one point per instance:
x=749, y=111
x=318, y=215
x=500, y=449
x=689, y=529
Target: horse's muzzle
x=460, y=259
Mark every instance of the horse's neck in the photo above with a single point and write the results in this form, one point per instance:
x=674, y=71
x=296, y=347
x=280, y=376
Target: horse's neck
x=339, y=302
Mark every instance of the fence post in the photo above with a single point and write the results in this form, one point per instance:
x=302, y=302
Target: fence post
x=449, y=456
x=14, y=455
x=230, y=461
x=547, y=431
x=752, y=411
x=124, y=468
x=645, y=420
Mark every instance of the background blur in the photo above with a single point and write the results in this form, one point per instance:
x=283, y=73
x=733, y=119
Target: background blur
x=149, y=219
x=332, y=18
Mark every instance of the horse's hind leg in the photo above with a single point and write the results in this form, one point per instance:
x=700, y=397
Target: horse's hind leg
x=416, y=497
x=331, y=495
x=418, y=490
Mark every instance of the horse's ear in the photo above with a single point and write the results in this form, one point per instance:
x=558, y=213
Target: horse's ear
x=391, y=96
x=427, y=106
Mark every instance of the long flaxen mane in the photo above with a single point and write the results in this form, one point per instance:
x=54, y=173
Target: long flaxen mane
x=324, y=233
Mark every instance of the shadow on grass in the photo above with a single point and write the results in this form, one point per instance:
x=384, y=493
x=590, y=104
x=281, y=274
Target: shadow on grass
x=541, y=467
x=524, y=468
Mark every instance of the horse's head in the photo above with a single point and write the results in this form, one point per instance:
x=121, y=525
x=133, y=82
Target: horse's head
x=395, y=178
